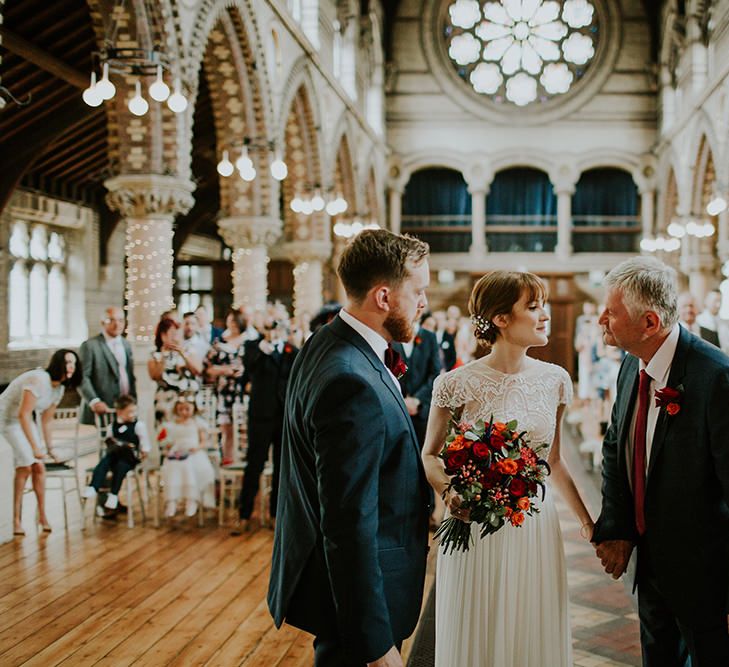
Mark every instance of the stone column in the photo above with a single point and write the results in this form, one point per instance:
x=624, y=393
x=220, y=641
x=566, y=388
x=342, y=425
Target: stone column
x=563, y=249
x=395, y=209
x=308, y=258
x=249, y=237
x=149, y=204
x=478, y=219
x=337, y=250
x=698, y=263
x=647, y=211
x=723, y=236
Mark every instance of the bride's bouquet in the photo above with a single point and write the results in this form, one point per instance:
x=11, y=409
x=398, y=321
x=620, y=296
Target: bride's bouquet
x=496, y=472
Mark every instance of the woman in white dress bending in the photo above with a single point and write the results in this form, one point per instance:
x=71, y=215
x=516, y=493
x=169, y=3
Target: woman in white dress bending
x=504, y=602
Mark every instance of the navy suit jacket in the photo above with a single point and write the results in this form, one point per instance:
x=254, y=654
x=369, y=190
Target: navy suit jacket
x=352, y=521
x=423, y=367
x=687, y=487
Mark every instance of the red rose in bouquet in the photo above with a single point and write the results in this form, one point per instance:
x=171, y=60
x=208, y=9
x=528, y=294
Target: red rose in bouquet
x=496, y=472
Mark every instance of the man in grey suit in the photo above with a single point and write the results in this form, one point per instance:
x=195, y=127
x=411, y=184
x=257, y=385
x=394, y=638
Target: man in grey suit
x=108, y=367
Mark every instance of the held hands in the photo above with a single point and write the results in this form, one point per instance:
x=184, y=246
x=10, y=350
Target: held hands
x=99, y=408
x=391, y=659
x=614, y=556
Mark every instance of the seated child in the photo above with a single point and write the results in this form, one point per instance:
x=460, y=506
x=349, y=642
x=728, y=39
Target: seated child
x=126, y=446
x=187, y=473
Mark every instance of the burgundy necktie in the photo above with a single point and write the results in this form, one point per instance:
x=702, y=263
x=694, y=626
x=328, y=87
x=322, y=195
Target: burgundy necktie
x=393, y=361
x=639, y=450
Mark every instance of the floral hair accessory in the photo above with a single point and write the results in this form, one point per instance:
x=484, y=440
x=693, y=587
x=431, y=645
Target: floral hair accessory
x=481, y=325
x=670, y=399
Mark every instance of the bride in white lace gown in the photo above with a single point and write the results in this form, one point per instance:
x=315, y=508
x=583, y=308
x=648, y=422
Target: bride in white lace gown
x=504, y=602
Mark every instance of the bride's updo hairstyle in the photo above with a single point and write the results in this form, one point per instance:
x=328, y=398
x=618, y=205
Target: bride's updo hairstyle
x=497, y=293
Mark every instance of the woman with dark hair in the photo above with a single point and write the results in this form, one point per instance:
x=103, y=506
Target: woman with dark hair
x=38, y=391
x=172, y=367
x=224, y=367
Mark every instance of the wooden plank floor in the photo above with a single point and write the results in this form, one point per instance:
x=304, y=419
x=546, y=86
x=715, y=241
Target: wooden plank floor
x=112, y=596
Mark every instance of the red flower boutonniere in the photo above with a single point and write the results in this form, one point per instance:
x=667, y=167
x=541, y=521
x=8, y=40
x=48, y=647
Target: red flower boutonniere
x=288, y=349
x=162, y=435
x=400, y=369
x=418, y=340
x=670, y=399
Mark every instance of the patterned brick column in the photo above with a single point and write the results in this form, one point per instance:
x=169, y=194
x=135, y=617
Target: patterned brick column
x=250, y=237
x=308, y=258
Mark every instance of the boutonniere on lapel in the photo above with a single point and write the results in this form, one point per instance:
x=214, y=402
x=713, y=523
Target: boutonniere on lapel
x=418, y=340
x=288, y=349
x=670, y=399
x=400, y=368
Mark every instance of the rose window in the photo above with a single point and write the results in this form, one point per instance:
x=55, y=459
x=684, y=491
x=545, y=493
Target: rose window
x=521, y=50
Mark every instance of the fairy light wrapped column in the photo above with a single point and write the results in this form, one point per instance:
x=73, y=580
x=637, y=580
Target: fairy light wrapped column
x=249, y=237
x=308, y=258
x=148, y=204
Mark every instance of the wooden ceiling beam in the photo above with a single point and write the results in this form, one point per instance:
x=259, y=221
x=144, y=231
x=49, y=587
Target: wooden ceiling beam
x=34, y=54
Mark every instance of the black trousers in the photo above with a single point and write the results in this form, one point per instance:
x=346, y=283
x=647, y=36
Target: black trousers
x=118, y=468
x=668, y=641
x=329, y=653
x=261, y=435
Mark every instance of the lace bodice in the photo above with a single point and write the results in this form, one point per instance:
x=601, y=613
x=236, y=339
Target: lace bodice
x=531, y=397
x=36, y=381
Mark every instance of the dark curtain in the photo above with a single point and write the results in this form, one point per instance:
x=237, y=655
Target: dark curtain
x=521, y=197
x=443, y=193
x=606, y=197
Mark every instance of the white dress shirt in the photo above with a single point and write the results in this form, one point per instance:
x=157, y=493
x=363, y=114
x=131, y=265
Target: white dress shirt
x=658, y=368
x=375, y=341
x=117, y=349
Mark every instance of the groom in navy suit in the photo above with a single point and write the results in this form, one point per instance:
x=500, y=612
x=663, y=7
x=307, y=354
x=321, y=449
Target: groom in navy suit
x=666, y=470
x=352, y=522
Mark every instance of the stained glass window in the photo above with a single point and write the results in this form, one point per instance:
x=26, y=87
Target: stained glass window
x=521, y=51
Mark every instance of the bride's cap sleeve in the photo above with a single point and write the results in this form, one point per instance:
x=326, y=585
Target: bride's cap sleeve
x=443, y=391
x=566, y=391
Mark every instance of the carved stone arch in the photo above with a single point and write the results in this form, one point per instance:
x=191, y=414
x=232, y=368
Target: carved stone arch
x=303, y=157
x=704, y=178
x=239, y=112
x=206, y=17
x=449, y=159
x=374, y=198
x=673, y=39
x=158, y=142
x=342, y=130
x=669, y=206
x=299, y=76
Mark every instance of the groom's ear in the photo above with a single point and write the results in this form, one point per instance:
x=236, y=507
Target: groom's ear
x=382, y=295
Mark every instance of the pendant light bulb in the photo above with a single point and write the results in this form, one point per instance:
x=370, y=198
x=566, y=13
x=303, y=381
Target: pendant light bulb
x=317, y=202
x=138, y=105
x=159, y=90
x=177, y=101
x=91, y=94
x=279, y=170
x=225, y=166
x=244, y=163
x=105, y=88
x=248, y=174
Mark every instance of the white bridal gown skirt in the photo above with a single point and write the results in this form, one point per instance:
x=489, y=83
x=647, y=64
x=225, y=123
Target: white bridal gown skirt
x=504, y=603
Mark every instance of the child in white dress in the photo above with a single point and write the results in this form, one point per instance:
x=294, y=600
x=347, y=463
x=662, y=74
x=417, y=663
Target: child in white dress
x=187, y=473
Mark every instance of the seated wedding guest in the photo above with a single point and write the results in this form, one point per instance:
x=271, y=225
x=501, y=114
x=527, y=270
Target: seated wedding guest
x=712, y=329
x=192, y=340
x=187, y=473
x=206, y=329
x=37, y=391
x=126, y=447
x=224, y=367
x=268, y=362
x=170, y=315
x=446, y=340
x=687, y=313
x=172, y=368
x=108, y=367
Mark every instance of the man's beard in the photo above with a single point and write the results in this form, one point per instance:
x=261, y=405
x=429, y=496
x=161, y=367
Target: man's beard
x=399, y=326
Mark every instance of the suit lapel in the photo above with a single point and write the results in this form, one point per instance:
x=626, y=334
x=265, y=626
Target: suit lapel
x=110, y=358
x=678, y=370
x=628, y=398
x=342, y=329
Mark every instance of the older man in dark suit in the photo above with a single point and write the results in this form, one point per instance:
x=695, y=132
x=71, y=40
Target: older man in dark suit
x=108, y=367
x=352, y=524
x=666, y=470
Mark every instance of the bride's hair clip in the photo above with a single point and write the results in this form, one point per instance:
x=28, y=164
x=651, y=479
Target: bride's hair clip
x=481, y=325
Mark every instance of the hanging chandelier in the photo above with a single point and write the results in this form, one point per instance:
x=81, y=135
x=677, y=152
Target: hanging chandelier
x=244, y=162
x=133, y=62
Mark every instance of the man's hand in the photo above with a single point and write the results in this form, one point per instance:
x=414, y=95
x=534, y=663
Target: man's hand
x=412, y=404
x=391, y=659
x=99, y=408
x=614, y=556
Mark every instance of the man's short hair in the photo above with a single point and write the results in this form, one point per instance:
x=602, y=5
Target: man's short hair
x=377, y=256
